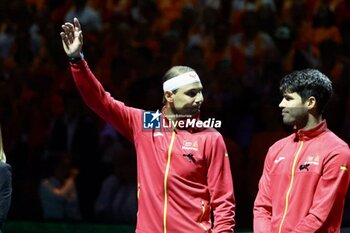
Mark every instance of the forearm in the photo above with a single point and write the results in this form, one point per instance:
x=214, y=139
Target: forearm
x=262, y=211
x=308, y=224
x=221, y=188
x=262, y=220
x=121, y=117
x=224, y=215
x=263, y=204
x=224, y=205
x=89, y=87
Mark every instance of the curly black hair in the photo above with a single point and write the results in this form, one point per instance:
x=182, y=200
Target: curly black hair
x=307, y=83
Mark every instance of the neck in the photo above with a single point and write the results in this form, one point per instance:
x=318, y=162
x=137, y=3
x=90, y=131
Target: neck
x=311, y=122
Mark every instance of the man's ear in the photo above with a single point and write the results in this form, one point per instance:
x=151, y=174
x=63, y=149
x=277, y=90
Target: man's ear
x=311, y=103
x=169, y=96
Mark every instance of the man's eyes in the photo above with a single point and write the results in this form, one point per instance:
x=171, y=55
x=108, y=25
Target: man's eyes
x=192, y=93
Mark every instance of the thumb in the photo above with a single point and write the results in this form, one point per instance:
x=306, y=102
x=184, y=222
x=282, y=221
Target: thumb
x=80, y=37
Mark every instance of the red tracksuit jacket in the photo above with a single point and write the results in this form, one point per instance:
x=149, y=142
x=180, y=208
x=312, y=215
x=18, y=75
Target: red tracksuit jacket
x=176, y=193
x=304, y=182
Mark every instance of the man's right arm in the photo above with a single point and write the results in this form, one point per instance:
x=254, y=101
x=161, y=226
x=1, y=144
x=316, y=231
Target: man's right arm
x=114, y=112
x=263, y=203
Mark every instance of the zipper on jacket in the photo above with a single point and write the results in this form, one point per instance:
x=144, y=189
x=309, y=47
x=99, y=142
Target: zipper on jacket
x=166, y=180
x=201, y=218
x=138, y=191
x=290, y=186
x=138, y=196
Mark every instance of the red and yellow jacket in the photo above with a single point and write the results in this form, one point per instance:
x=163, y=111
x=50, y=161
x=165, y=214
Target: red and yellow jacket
x=176, y=191
x=303, y=185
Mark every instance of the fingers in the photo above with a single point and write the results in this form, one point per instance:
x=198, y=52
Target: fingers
x=64, y=39
x=72, y=37
x=68, y=33
x=77, y=24
x=70, y=29
x=69, y=26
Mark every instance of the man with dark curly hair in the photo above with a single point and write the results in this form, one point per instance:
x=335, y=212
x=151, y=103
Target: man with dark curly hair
x=306, y=175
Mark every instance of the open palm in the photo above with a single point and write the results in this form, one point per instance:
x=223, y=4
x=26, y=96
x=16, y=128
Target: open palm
x=72, y=38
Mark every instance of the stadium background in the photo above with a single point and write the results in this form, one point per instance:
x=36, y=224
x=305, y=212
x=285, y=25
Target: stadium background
x=240, y=49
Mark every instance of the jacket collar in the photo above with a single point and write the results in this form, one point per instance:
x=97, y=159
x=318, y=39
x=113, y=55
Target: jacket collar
x=305, y=135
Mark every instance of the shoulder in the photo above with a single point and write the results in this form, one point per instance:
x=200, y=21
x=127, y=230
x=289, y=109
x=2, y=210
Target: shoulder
x=282, y=142
x=334, y=140
x=276, y=148
x=210, y=134
x=335, y=145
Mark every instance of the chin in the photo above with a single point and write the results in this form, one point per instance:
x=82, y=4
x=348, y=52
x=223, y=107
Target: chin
x=288, y=122
x=191, y=112
x=195, y=113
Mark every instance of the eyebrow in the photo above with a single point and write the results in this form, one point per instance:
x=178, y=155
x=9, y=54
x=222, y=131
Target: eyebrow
x=287, y=95
x=194, y=89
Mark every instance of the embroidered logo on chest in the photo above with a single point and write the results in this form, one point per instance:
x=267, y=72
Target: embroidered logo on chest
x=188, y=145
x=310, y=160
x=279, y=159
x=189, y=149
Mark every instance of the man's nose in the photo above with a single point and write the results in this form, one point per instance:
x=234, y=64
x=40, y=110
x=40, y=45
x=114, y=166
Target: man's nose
x=282, y=103
x=199, y=98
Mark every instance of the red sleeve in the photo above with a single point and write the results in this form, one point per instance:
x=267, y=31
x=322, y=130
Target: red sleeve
x=329, y=194
x=263, y=204
x=125, y=119
x=221, y=188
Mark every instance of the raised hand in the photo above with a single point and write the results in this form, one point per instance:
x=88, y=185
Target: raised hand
x=72, y=38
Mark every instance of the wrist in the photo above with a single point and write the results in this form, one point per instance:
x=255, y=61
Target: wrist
x=76, y=59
